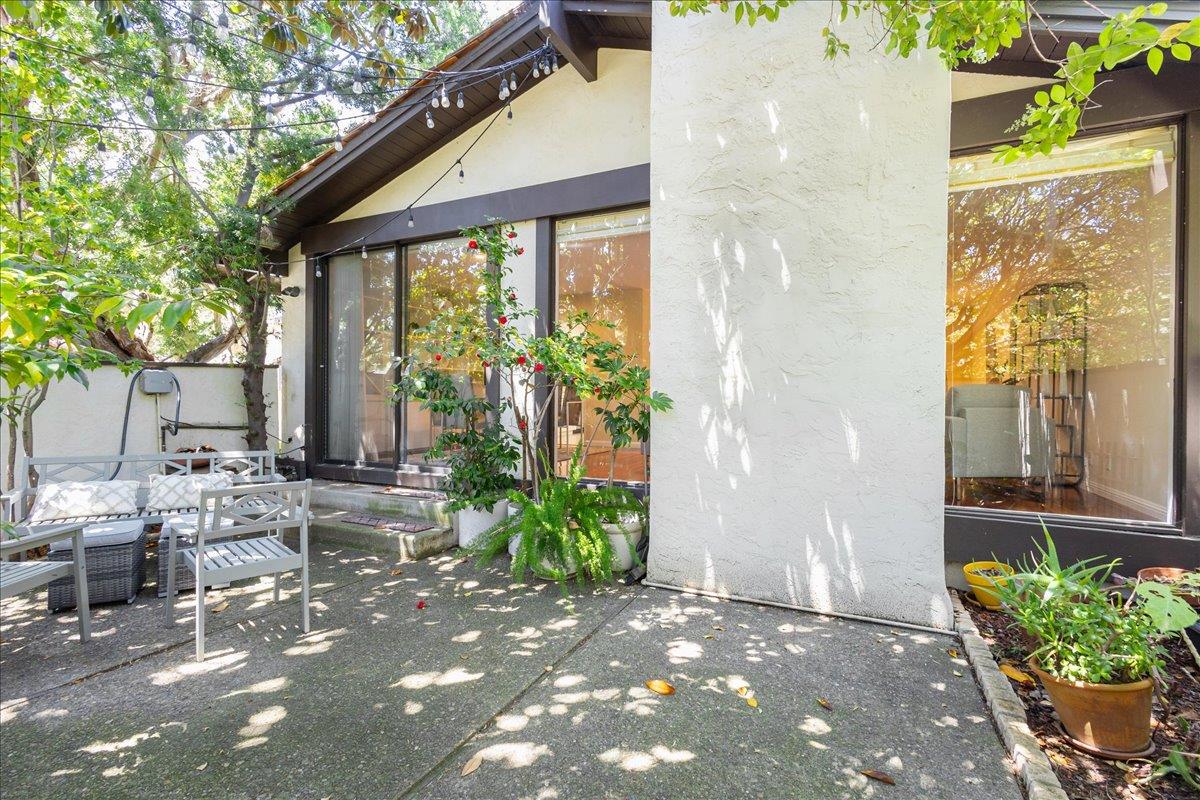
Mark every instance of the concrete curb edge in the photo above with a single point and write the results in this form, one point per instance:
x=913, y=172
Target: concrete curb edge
x=1008, y=711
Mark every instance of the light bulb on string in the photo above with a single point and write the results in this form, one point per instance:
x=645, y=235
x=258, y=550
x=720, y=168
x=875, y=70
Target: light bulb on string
x=459, y=102
x=148, y=100
x=428, y=119
x=536, y=72
x=356, y=87
x=222, y=25
x=411, y=222
x=337, y=134
x=364, y=252
x=434, y=100
x=512, y=81
x=510, y=113
x=445, y=100
x=554, y=62
x=100, y=146
x=462, y=175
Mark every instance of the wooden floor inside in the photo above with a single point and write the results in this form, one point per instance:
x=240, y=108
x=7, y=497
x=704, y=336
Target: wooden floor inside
x=1014, y=496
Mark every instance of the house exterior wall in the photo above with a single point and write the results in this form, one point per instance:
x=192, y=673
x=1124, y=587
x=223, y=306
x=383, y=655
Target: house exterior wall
x=798, y=260
x=563, y=127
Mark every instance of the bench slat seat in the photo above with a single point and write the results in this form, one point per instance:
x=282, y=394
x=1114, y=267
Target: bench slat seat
x=225, y=562
x=20, y=576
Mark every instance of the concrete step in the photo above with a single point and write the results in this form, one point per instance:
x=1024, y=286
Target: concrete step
x=328, y=527
x=370, y=499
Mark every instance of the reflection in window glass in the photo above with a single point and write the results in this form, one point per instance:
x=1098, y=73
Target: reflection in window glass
x=603, y=267
x=360, y=424
x=1060, y=329
x=442, y=277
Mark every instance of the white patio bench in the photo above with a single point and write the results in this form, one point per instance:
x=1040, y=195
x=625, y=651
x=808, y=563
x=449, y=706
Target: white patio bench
x=21, y=576
x=251, y=466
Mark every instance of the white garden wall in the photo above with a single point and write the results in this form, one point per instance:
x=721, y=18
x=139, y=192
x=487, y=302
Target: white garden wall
x=75, y=420
x=798, y=315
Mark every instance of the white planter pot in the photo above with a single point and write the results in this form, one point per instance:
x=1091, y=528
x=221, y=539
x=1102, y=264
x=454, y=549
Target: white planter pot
x=471, y=523
x=622, y=535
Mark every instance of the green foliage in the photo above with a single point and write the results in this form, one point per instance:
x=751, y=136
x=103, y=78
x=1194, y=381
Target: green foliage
x=975, y=32
x=563, y=531
x=481, y=453
x=1085, y=632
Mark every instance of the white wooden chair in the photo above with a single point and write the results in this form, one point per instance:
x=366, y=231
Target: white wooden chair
x=21, y=576
x=264, y=509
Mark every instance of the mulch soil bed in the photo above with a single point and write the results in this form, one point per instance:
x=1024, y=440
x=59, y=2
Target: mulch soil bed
x=1086, y=777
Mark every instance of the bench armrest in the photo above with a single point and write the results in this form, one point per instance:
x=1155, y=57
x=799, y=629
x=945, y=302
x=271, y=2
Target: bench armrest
x=12, y=505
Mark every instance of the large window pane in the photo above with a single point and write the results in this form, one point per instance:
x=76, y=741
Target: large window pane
x=603, y=268
x=362, y=302
x=442, y=277
x=1060, y=329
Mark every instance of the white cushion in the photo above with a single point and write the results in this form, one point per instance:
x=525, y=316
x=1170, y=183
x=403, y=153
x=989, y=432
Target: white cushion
x=84, y=499
x=171, y=492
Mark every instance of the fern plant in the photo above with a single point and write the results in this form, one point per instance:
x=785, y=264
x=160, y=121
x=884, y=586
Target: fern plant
x=563, y=532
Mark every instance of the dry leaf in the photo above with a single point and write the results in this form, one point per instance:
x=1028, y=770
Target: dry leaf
x=876, y=775
x=221, y=606
x=825, y=704
x=202, y=767
x=1016, y=674
x=952, y=653
x=742, y=690
x=395, y=571
x=709, y=636
x=660, y=686
x=472, y=764
x=957, y=674
x=750, y=701
x=717, y=628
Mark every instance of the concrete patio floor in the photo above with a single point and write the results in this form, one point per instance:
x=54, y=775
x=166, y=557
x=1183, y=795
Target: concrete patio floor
x=382, y=700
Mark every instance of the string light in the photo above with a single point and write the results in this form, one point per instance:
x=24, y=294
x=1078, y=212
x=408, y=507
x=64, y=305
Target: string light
x=536, y=71
x=512, y=82
x=148, y=100
x=444, y=98
x=510, y=113
x=364, y=252
x=462, y=176
x=411, y=221
x=222, y=25
x=337, y=137
x=428, y=119
x=459, y=102
x=100, y=146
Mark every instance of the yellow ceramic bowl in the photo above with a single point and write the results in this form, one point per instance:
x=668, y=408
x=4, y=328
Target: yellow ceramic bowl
x=984, y=586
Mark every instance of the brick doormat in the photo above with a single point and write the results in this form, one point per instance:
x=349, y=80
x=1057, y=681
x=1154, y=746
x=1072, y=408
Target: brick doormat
x=416, y=494
x=387, y=523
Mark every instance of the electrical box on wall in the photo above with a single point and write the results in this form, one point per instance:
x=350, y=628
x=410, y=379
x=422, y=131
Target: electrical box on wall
x=157, y=381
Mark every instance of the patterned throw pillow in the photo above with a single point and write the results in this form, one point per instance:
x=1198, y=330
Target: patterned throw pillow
x=84, y=499
x=173, y=492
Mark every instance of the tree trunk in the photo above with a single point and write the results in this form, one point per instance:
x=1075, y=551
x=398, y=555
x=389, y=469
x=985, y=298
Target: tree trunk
x=14, y=423
x=255, y=317
x=31, y=406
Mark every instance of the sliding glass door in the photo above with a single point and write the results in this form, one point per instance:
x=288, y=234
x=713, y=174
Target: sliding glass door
x=440, y=277
x=368, y=302
x=360, y=423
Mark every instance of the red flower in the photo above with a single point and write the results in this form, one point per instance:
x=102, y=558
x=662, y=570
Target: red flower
x=420, y=605
x=502, y=319
x=521, y=360
x=512, y=234
x=486, y=364
x=521, y=424
x=512, y=296
x=538, y=367
x=437, y=356
x=474, y=245
x=520, y=251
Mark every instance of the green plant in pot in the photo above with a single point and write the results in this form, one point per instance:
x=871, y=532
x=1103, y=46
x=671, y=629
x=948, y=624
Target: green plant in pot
x=1097, y=652
x=479, y=452
x=563, y=532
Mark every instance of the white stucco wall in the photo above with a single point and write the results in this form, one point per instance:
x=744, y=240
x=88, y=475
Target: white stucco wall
x=79, y=421
x=563, y=127
x=798, y=312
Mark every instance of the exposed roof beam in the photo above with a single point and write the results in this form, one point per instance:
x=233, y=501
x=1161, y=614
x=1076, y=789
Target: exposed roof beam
x=622, y=42
x=613, y=8
x=568, y=37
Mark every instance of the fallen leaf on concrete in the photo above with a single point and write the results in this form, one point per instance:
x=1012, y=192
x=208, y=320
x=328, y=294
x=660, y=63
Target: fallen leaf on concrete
x=952, y=653
x=717, y=628
x=752, y=702
x=394, y=571
x=710, y=636
x=825, y=704
x=743, y=690
x=1016, y=674
x=202, y=767
x=472, y=764
x=221, y=606
x=660, y=686
x=876, y=775
x=957, y=674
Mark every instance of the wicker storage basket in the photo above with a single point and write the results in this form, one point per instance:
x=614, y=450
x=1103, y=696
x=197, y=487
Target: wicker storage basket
x=116, y=565
x=184, y=579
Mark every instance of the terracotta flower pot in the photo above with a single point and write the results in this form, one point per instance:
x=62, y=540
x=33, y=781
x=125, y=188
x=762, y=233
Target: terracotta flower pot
x=1169, y=575
x=1109, y=720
